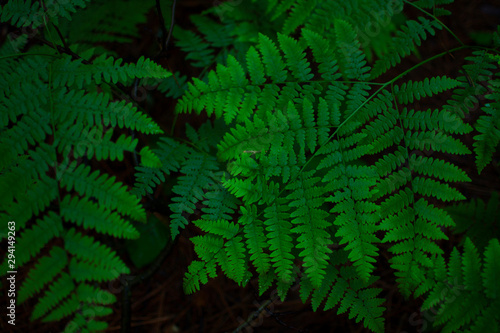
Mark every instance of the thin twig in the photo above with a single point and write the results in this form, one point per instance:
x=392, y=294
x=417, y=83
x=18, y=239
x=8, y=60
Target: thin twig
x=162, y=26
x=171, y=25
x=165, y=38
x=63, y=49
x=61, y=36
x=256, y=314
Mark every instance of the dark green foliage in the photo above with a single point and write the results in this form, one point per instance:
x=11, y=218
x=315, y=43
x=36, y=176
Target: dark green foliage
x=102, y=21
x=57, y=115
x=477, y=219
x=307, y=171
x=281, y=114
x=466, y=294
x=34, y=13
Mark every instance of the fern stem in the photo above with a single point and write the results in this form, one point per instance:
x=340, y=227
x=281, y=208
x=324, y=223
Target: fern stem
x=171, y=25
x=173, y=124
x=426, y=61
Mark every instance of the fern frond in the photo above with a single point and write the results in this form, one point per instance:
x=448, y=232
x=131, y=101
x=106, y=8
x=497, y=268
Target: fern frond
x=472, y=284
x=280, y=241
x=94, y=109
x=295, y=57
x=197, y=49
x=409, y=220
x=351, y=59
x=310, y=225
x=87, y=297
x=324, y=55
x=87, y=271
x=54, y=123
x=255, y=238
x=404, y=43
x=60, y=289
x=38, y=236
x=220, y=245
x=46, y=270
x=195, y=276
x=88, y=250
x=106, y=190
x=478, y=68
x=488, y=125
x=22, y=79
x=213, y=41
x=477, y=219
x=26, y=13
x=351, y=188
x=340, y=287
x=410, y=90
x=174, y=86
x=299, y=14
x=198, y=170
x=275, y=67
x=146, y=179
x=85, y=213
x=103, y=69
x=237, y=265
x=219, y=203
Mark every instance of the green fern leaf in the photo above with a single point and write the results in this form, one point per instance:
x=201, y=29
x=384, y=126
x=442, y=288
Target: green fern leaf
x=404, y=43
x=477, y=219
x=105, y=189
x=26, y=13
x=34, y=239
x=46, y=269
x=91, y=216
x=275, y=67
x=280, y=241
x=417, y=90
x=255, y=239
x=197, y=172
x=310, y=225
x=57, y=291
x=87, y=249
x=351, y=58
x=295, y=58
x=488, y=125
x=196, y=274
x=472, y=283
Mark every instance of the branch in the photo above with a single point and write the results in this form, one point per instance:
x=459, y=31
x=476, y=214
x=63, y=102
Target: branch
x=165, y=38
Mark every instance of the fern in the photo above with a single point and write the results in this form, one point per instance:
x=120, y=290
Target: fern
x=472, y=283
x=306, y=172
x=412, y=222
x=270, y=150
x=26, y=13
x=405, y=42
x=477, y=220
x=488, y=125
x=58, y=113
